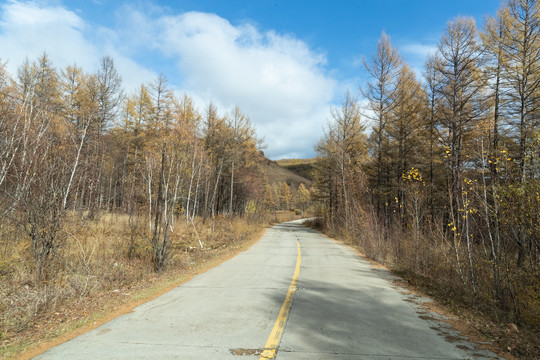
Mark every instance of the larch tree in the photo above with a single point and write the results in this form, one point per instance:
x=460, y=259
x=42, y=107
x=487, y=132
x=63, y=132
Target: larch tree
x=519, y=23
x=520, y=76
x=492, y=41
x=462, y=96
x=433, y=82
x=343, y=149
x=243, y=150
x=380, y=93
x=110, y=93
x=404, y=128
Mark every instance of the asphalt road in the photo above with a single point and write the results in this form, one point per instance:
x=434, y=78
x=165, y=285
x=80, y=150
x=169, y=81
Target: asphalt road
x=295, y=292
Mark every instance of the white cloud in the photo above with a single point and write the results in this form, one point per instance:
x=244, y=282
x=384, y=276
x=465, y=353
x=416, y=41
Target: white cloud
x=419, y=50
x=277, y=80
x=27, y=29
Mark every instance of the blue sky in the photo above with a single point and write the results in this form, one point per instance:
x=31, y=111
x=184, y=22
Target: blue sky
x=284, y=63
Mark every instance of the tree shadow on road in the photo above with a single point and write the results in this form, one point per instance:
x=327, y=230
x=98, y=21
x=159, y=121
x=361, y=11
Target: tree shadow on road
x=353, y=318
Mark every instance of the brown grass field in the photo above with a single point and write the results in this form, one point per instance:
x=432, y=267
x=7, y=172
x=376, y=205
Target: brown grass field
x=103, y=270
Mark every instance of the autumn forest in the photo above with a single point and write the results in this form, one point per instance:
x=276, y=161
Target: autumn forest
x=434, y=174
x=439, y=176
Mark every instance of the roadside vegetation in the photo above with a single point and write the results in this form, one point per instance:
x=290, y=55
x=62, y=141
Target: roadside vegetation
x=101, y=273
x=104, y=194
x=108, y=198
x=439, y=178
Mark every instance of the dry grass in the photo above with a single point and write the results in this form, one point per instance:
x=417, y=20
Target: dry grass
x=428, y=263
x=101, y=266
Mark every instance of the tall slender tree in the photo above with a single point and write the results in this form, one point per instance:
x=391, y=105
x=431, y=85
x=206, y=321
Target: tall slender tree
x=404, y=129
x=519, y=24
x=380, y=93
x=342, y=151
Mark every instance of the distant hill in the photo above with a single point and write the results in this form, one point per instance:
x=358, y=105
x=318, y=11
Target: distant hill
x=278, y=174
x=301, y=167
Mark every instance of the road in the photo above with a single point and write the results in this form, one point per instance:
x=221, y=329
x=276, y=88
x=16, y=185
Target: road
x=296, y=293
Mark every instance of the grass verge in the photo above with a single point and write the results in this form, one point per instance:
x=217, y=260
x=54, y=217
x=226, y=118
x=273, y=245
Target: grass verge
x=470, y=316
x=95, y=281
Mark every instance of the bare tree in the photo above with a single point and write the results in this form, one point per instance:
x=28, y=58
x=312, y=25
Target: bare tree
x=110, y=94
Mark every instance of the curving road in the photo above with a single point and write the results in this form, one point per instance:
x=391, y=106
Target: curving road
x=295, y=294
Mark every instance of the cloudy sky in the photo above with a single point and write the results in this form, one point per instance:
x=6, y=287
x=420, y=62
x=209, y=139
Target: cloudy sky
x=285, y=63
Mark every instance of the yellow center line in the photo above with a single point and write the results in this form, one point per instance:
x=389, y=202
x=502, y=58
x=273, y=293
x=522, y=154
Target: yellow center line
x=277, y=331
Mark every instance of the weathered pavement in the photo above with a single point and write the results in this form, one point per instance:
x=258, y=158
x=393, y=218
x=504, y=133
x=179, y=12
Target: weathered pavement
x=342, y=308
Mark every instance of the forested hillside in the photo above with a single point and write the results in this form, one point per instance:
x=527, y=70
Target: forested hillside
x=302, y=167
x=439, y=175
